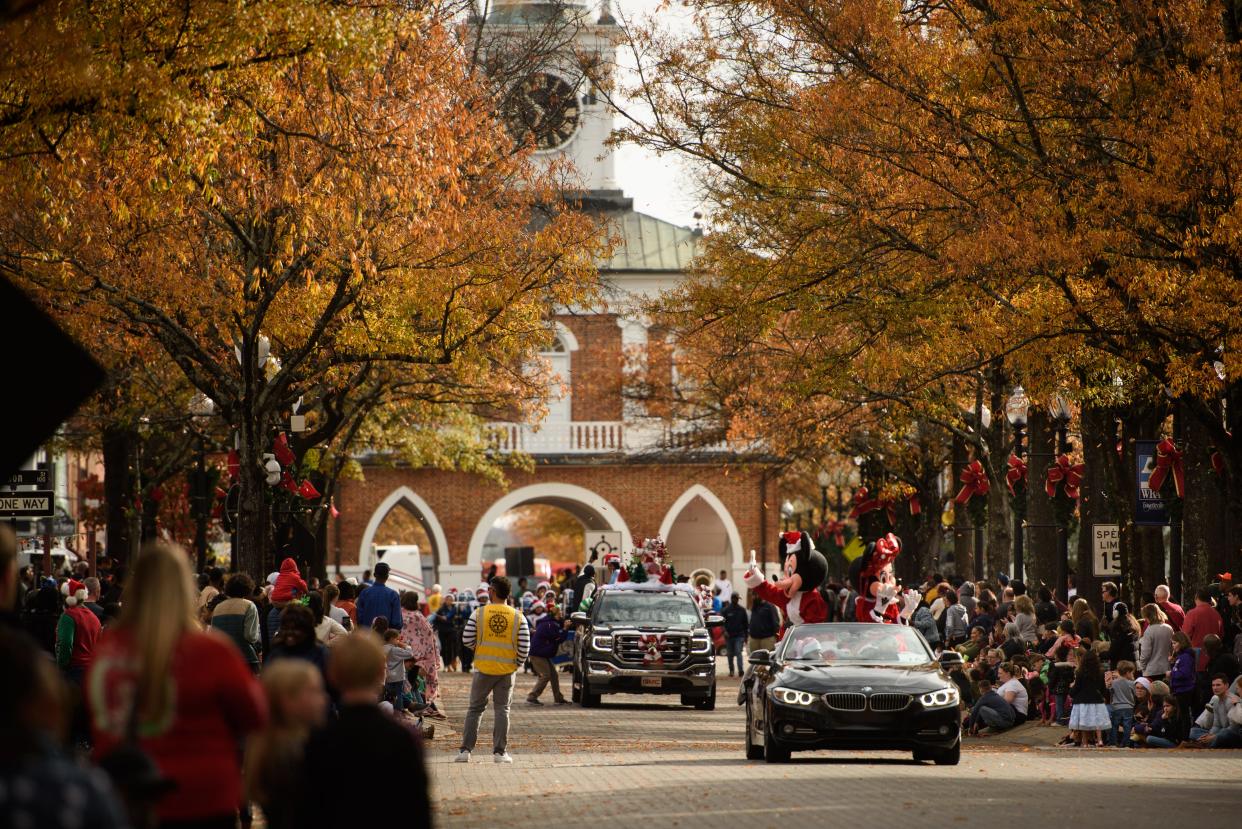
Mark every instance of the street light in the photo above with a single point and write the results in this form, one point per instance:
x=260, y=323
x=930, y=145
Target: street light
x=201, y=408
x=1059, y=411
x=787, y=511
x=823, y=479
x=1016, y=413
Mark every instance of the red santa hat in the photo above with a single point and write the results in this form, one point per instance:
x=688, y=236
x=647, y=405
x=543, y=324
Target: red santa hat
x=74, y=592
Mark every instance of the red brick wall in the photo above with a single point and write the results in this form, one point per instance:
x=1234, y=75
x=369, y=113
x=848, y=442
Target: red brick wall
x=643, y=493
x=595, y=368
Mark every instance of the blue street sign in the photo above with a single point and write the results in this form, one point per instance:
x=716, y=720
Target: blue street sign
x=1148, y=505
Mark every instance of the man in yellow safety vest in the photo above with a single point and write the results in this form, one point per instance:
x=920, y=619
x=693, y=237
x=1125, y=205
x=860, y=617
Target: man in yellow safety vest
x=500, y=638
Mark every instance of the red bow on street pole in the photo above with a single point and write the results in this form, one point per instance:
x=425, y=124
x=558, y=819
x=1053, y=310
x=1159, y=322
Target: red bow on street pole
x=1016, y=472
x=1168, y=458
x=864, y=503
x=837, y=530
x=975, y=482
x=1064, y=471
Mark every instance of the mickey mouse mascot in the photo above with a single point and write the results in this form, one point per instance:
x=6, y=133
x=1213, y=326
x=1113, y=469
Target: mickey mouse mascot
x=798, y=593
x=879, y=597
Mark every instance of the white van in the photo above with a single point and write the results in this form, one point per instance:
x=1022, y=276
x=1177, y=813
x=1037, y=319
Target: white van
x=407, y=570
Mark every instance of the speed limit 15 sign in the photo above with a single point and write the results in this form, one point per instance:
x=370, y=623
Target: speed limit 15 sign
x=1106, y=550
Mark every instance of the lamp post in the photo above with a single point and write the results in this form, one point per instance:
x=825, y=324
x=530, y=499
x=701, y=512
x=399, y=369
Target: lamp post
x=1060, y=413
x=1016, y=413
x=201, y=407
x=823, y=479
x=787, y=511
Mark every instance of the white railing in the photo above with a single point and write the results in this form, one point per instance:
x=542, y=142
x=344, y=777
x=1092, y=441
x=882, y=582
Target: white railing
x=596, y=437
x=588, y=437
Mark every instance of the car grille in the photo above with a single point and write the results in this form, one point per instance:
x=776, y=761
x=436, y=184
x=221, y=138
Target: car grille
x=889, y=702
x=845, y=701
x=628, y=649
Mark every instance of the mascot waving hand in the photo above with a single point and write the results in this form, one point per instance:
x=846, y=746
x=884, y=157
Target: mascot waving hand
x=797, y=594
x=879, y=597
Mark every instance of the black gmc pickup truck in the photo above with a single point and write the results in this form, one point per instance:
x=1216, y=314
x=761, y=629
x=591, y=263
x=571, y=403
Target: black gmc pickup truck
x=646, y=638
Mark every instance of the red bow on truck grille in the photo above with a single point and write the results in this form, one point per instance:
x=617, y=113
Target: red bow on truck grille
x=652, y=645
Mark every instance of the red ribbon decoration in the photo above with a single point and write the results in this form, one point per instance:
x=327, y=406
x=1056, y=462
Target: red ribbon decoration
x=286, y=481
x=1064, y=471
x=234, y=464
x=307, y=490
x=863, y=503
x=975, y=482
x=652, y=645
x=1168, y=458
x=1017, y=472
x=916, y=506
x=837, y=530
x=280, y=448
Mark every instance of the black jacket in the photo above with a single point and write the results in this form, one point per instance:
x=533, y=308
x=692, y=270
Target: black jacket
x=584, y=578
x=736, y=622
x=765, y=621
x=364, y=770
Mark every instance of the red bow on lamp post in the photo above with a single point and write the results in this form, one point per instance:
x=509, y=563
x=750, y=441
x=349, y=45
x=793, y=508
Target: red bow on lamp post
x=974, y=482
x=836, y=529
x=864, y=503
x=1015, y=473
x=1168, y=458
x=1064, y=472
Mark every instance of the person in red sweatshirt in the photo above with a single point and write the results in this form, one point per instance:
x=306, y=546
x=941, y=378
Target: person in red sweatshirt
x=1201, y=620
x=76, y=633
x=1164, y=601
x=186, y=696
x=289, y=584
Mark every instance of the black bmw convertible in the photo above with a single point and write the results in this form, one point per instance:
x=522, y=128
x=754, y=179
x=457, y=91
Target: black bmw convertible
x=851, y=686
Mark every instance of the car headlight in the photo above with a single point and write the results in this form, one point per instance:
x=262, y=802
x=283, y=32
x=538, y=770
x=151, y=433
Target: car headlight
x=943, y=698
x=602, y=643
x=700, y=644
x=790, y=696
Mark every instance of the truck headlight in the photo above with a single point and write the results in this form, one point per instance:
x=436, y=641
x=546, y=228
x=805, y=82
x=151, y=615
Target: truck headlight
x=602, y=643
x=943, y=698
x=700, y=644
x=790, y=696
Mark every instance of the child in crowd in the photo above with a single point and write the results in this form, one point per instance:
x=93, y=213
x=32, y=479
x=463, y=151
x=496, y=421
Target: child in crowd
x=1121, y=703
x=395, y=676
x=388, y=786
x=289, y=584
x=1166, y=732
x=1088, y=714
x=296, y=704
x=1060, y=678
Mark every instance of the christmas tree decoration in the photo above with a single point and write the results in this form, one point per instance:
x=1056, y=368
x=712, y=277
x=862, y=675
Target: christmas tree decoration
x=307, y=490
x=282, y=451
x=647, y=563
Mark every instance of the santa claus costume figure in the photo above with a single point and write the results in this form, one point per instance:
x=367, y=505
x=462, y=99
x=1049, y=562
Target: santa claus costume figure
x=798, y=593
x=879, y=597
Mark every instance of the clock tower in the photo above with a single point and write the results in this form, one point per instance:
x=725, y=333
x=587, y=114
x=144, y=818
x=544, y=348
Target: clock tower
x=548, y=51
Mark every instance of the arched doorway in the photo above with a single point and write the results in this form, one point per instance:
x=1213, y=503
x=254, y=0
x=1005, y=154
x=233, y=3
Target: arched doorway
x=591, y=510
x=701, y=534
x=404, y=519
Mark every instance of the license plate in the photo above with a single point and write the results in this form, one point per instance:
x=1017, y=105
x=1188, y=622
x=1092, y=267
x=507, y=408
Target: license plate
x=653, y=681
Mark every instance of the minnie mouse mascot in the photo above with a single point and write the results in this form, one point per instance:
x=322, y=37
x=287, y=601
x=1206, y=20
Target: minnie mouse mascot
x=879, y=597
x=798, y=593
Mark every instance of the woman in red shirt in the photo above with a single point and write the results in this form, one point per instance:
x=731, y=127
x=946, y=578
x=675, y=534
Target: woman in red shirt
x=192, y=696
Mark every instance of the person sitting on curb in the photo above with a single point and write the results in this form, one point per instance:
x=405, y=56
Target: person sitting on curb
x=1215, y=727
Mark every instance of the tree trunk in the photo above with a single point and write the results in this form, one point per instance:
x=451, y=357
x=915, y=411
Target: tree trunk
x=118, y=450
x=1099, y=503
x=254, y=520
x=1041, y=548
x=999, y=439
x=1203, y=510
x=963, y=534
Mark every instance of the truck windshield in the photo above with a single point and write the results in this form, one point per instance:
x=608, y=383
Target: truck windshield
x=639, y=608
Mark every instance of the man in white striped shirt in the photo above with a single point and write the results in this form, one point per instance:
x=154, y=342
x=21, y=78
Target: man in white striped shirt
x=500, y=638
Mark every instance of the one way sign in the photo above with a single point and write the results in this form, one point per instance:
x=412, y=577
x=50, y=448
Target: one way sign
x=35, y=503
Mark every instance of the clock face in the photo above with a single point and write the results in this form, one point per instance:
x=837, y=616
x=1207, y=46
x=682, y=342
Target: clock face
x=542, y=109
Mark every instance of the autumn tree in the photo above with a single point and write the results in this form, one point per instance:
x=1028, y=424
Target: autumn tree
x=913, y=197
x=344, y=224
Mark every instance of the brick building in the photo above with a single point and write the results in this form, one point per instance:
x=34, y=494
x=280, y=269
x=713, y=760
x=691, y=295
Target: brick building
x=602, y=455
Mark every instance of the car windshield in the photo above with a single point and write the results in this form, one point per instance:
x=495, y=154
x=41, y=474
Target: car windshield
x=855, y=644
x=639, y=608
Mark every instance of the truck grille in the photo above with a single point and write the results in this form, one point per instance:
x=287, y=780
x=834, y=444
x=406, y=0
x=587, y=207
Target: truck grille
x=889, y=702
x=629, y=648
x=845, y=701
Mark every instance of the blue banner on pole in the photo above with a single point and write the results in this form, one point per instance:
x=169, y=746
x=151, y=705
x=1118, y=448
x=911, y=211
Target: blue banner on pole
x=1148, y=505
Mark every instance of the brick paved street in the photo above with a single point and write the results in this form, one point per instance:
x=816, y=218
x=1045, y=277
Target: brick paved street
x=635, y=762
